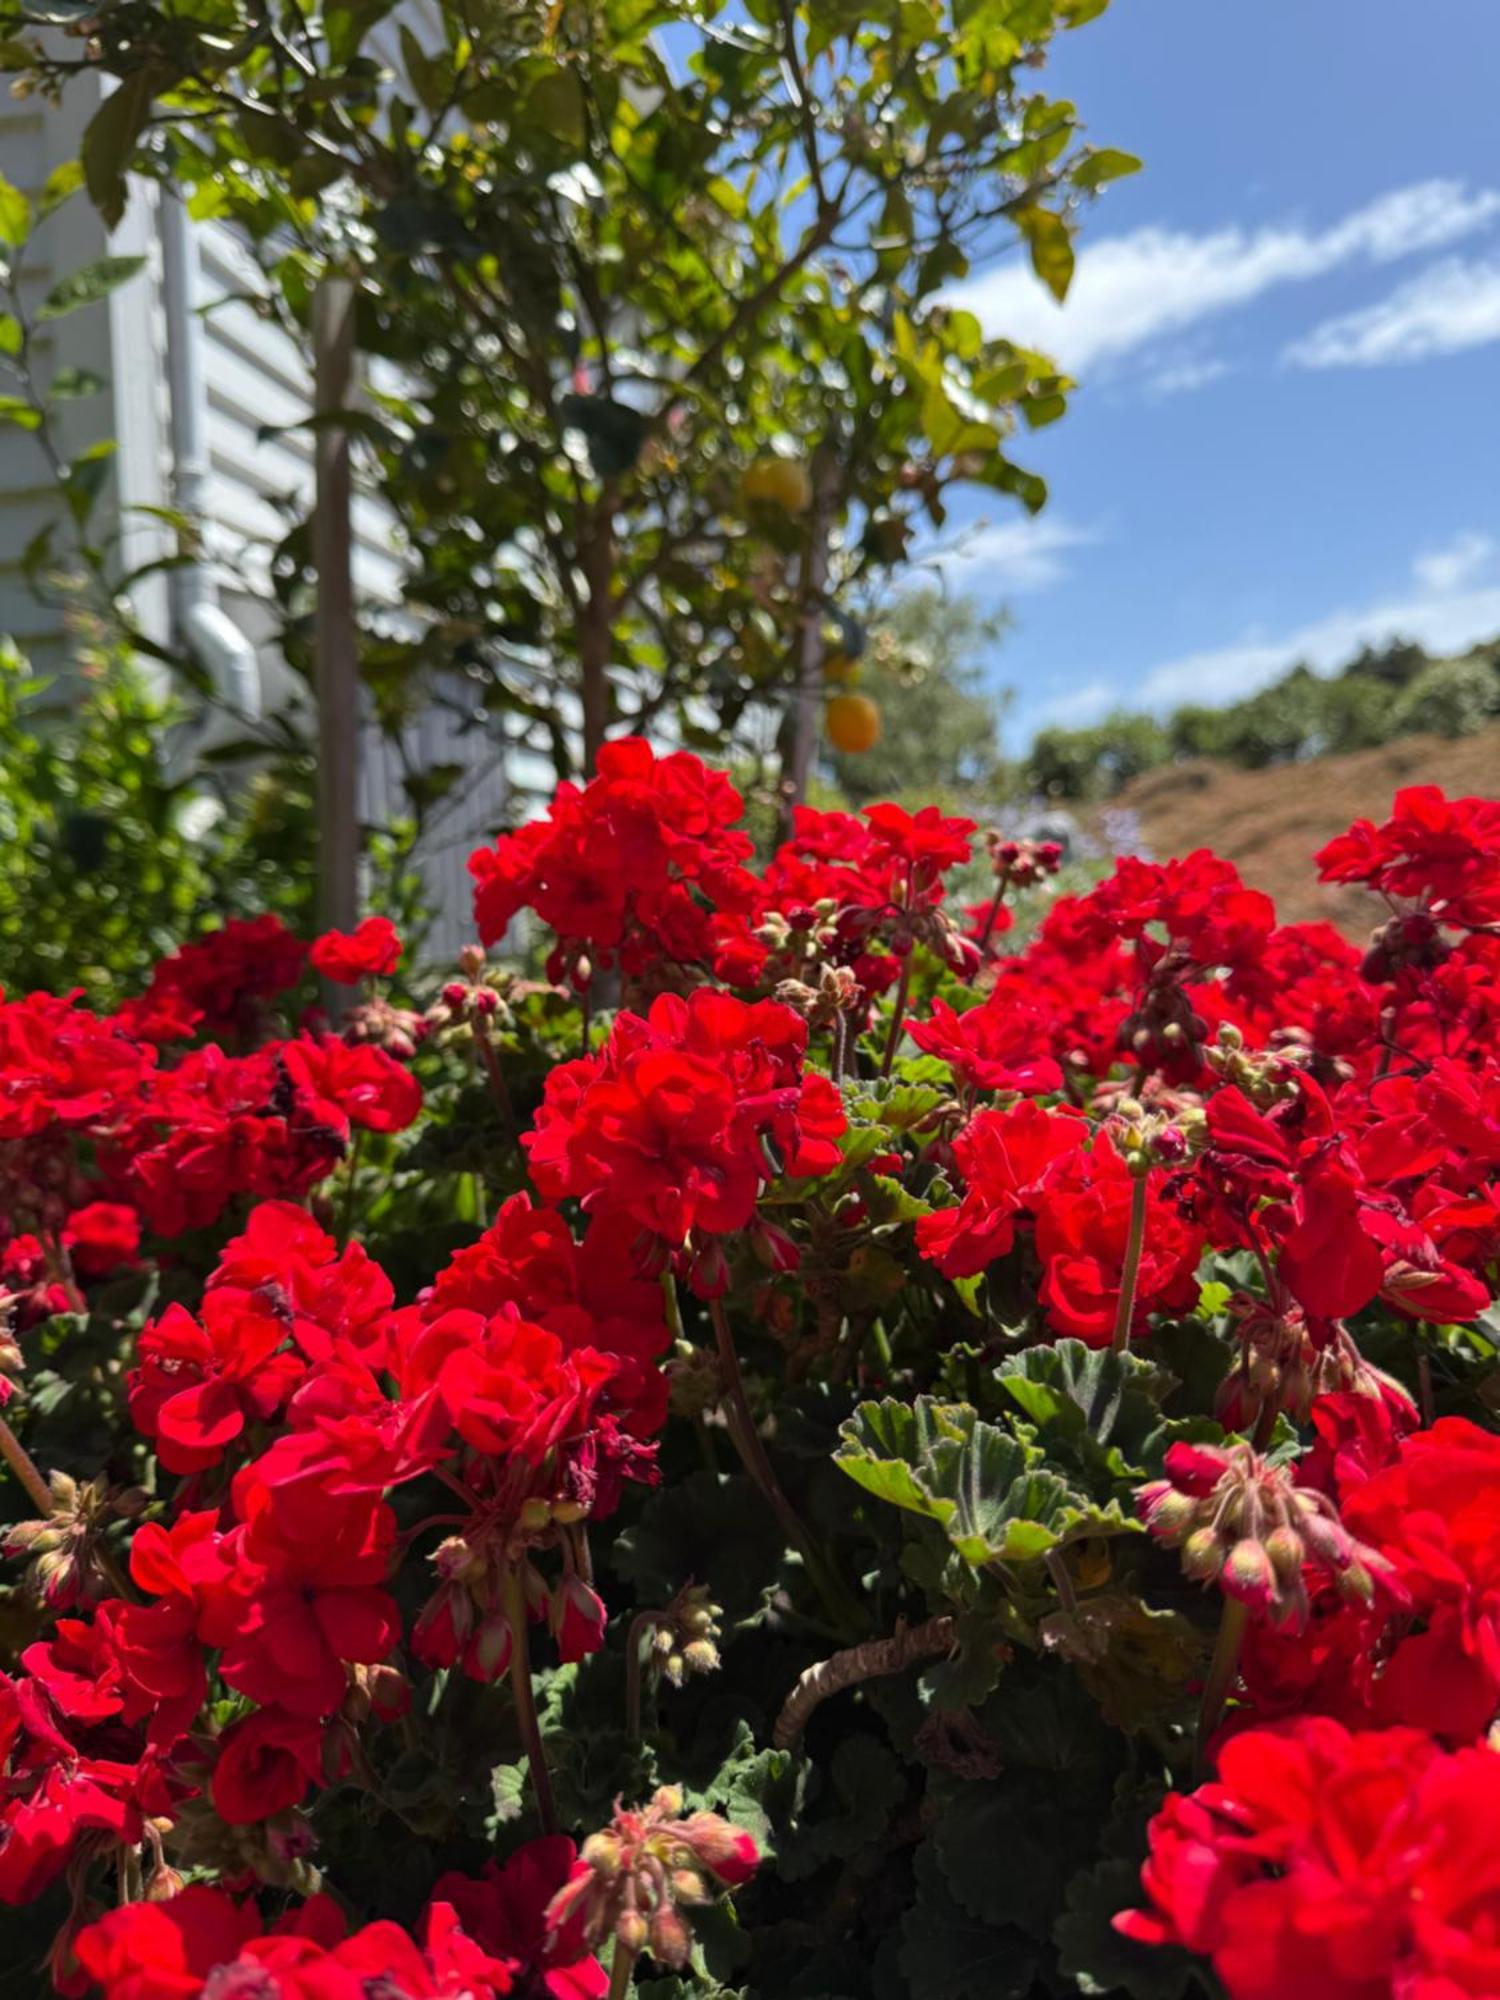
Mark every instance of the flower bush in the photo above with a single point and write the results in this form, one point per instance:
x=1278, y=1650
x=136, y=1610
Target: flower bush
x=801, y=1456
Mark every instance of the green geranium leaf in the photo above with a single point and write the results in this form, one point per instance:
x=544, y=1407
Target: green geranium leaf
x=990, y=1491
x=947, y=1954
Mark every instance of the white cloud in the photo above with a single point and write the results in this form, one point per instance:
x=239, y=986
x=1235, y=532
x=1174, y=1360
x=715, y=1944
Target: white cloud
x=1449, y=569
x=1178, y=378
x=1443, y=624
x=1025, y=554
x=1448, y=307
x=1129, y=289
x=1077, y=708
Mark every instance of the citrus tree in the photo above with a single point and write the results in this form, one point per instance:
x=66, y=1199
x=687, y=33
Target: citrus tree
x=664, y=290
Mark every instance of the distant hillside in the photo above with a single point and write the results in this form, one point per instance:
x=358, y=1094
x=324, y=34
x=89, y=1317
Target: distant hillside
x=1380, y=696
x=1270, y=823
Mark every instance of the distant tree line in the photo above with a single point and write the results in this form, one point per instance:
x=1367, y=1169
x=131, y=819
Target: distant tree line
x=1384, y=692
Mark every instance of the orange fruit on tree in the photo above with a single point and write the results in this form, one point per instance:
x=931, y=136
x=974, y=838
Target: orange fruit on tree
x=778, y=482
x=853, y=723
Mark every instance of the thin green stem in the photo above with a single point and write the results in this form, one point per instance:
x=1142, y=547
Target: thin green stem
x=490, y=1060
x=1221, y=1672
x=346, y=1215
x=643, y=1623
x=620, y=1971
x=525, y=1700
x=669, y=1302
x=1135, y=1243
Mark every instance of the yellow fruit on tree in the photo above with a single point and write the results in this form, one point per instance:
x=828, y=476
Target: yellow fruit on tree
x=778, y=482
x=838, y=666
x=853, y=723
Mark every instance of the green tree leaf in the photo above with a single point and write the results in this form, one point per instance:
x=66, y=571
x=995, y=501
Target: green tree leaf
x=1051, y=247
x=15, y=215
x=87, y=286
x=110, y=137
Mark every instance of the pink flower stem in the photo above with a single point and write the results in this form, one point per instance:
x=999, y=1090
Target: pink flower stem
x=21, y=1463
x=992, y=917
x=898, y=1017
x=490, y=1059
x=745, y=1437
x=525, y=1700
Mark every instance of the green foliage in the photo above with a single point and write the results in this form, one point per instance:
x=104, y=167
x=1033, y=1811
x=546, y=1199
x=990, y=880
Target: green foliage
x=1449, y=698
x=104, y=872
x=939, y=738
x=992, y=1493
x=1093, y=763
x=618, y=255
x=1377, y=697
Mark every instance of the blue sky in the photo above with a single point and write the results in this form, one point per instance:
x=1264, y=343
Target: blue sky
x=1287, y=336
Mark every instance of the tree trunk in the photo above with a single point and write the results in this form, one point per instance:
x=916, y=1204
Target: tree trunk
x=596, y=630
x=335, y=645
x=808, y=696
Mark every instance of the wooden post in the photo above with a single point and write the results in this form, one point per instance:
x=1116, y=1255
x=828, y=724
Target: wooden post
x=808, y=698
x=335, y=645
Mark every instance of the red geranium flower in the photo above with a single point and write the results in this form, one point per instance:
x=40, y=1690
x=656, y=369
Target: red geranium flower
x=370, y=951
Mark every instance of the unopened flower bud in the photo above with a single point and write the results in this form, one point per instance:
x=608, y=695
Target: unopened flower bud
x=1202, y=1554
x=602, y=1853
x=1249, y=1575
x=1287, y=1551
x=671, y=1940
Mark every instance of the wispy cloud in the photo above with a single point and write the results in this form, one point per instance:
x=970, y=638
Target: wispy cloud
x=1444, y=309
x=1077, y=707
x=1021, y=555
x=1130, y=289
x=1443, y=624
x=1179, y=378
x=1450, y=568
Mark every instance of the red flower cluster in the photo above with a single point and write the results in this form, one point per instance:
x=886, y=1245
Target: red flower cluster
x=215, y=986
x=370, y=951
x=99, y=1131
x=1328, y=1866
x=354, y=1493
x=626, y=870
x=479, y=1940
x=684, y=1115
x=1036, y=1169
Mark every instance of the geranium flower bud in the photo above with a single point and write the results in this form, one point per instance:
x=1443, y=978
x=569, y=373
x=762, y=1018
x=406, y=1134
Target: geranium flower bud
x=1287, y=1551
x=631, y=1873
x=671, y=1940
x=1273, y=1529
x=603, y=1853
x=1249, y=1575
x=1168, y=1513
x=577, y=1619
x=487, y=1655
x=1202, y=1554
x=774, y=1248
